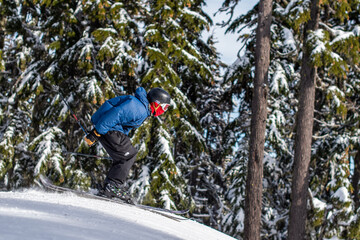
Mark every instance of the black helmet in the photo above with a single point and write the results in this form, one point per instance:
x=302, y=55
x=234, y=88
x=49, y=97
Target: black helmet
x=159, y=96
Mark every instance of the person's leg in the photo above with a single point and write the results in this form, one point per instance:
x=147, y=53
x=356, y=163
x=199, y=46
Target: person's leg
x=123, y=153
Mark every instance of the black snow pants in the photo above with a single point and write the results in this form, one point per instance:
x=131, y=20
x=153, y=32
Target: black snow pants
x=123, y=153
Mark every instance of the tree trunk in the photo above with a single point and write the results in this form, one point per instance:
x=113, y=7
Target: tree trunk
x=356, y=180
x=253, y=197
x=305, y=115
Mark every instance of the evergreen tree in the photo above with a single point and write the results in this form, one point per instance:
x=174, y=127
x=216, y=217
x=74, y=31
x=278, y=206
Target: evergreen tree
x=82, y=47
x=284, y=78
x=206, y=181
x=355, y=225
x=253, y=199
x=334, y=118
x=185, y=66
x=304, y=131
x=197, y=155
x=282, y=82
x=92, y=51
x=20, y=82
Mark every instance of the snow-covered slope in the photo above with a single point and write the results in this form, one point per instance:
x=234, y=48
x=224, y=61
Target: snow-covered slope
x=33, y=214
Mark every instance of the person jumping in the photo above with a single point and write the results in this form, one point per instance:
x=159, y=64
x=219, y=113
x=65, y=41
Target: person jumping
x=112, y=123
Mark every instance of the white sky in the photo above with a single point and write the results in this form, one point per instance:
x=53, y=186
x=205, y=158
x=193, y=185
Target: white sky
x=227, y=44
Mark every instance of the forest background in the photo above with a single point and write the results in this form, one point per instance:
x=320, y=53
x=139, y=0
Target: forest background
x=196, y=157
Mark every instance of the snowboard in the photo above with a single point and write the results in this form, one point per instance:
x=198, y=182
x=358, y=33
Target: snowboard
x=47, y=184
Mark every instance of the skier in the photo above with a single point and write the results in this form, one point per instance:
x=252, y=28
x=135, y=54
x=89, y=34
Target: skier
x=112, y=123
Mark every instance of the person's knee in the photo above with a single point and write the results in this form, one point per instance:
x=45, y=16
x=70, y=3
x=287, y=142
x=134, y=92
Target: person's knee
x=130, y=154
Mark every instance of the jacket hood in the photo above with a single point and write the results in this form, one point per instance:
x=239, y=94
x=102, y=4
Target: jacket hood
x=141, y=94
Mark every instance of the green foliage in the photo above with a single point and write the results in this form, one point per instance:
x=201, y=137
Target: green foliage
x=334, y=51
x=2, y=62
x=233, y=222
x=47, y=147
x=354, y=232
x=337, y=100
x=340, y=210
x=95, y=50
x=196, y=155
x=300, y=15
x=341, y=8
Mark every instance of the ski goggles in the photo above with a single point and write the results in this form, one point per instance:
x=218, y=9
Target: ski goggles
x=164, y=106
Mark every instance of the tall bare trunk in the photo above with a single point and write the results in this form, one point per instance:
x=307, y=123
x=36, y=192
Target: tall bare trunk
x=258, y=124
x=356, y=180
x=305, y=116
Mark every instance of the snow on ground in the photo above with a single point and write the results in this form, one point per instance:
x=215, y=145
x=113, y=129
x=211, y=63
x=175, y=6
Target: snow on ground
x=34, y=214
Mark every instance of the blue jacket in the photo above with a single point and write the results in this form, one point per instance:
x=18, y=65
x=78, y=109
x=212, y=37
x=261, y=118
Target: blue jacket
x=122, y=113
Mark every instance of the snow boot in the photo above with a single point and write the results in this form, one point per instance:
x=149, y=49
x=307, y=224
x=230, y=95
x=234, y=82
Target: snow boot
x=111, y=189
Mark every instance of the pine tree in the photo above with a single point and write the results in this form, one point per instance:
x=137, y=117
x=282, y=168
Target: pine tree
x=85, y=48
x=356, y=179
x=282, y=82
x=92, y=50
x=206, y=181
x=304, y=122
x=284, y=78
x=179, y=62
x=253, y=199
x=205, y=177
x=355, y=224
x=323, y=112
x=20, y=82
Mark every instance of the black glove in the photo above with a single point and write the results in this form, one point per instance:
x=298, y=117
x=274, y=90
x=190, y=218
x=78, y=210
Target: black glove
x=92, y=137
